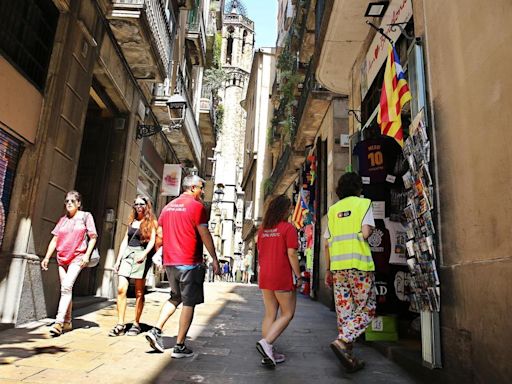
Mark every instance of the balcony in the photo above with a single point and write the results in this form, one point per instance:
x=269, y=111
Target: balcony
x=207, y=117
x=285, y=171
x=196, y=37
x=238, y=19
x=313, y=105
x=144, y=29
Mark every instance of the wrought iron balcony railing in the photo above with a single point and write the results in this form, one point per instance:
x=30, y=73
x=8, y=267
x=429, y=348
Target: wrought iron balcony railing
x=162, y=27
x=278, y=170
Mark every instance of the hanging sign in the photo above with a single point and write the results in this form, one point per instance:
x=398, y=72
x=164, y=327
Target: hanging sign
x=399, y=11
x=171, y=180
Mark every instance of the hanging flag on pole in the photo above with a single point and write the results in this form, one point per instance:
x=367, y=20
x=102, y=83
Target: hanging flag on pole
x=300, y=211
x=394, y=95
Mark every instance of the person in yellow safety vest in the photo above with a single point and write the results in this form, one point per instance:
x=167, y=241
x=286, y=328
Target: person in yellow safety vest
x=350, y=266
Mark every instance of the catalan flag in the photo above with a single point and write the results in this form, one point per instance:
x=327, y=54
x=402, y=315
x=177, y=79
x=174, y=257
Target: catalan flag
x=394, y=95
x=300, y=211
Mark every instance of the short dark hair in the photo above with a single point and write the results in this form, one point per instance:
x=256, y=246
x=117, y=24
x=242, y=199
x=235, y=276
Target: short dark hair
x=349, y=184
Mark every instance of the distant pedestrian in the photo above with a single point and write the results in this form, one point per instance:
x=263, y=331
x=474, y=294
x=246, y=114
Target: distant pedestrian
x=233, y=271
x=248, y=266
x=74, y=238
x=133, y=262
x=350, y=266
x=211, y=276
x=278, y=262
x=183, y=228
x=225, y=271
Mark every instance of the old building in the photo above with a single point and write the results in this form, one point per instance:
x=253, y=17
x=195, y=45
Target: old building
x=258, y=161
x=236, y=58
x=93, y=108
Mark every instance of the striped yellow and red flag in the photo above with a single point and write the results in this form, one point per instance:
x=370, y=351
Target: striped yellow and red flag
x=300, y=211
x=394, y=95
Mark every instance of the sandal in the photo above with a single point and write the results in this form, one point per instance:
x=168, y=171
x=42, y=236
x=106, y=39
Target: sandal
x=344, y=354
x=56, y=330
x=356, y=365
x=118, y=330
x=134, y=330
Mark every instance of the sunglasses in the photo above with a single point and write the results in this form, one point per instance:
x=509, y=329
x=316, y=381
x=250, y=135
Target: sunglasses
x=72, y=201
x=139, y=204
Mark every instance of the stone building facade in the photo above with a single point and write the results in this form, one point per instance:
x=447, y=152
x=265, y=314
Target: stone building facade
x=106, y=73
x=236, y=59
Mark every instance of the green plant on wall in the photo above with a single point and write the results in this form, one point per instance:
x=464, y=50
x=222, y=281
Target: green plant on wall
x=219, y=118
x=217, y=50
x=287, y=87
x=268, y=186
x=214, y=79
x=288, y=126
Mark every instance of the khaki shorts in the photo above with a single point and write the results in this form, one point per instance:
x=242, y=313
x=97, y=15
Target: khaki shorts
x=129, y=268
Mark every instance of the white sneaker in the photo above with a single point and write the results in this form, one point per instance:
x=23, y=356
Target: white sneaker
x=265, y=350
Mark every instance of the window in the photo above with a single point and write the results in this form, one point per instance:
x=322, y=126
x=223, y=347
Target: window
x=27, y=29
x=243, y=40
x=148, y=182
x=229, y=47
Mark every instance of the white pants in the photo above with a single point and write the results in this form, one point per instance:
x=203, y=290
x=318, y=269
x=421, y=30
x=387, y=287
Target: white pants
x=68, y=275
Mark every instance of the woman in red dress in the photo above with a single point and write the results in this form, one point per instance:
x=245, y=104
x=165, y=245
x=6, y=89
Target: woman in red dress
x=278, y=262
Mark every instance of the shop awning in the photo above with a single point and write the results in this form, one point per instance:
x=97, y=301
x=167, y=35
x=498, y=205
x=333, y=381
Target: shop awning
x=346, y=32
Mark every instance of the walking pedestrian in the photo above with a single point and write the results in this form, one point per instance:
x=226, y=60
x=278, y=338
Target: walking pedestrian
x=133, y=263
x=350, y=266
x=277, y=249
x=183, y=228
x=211, y=276
x=74, y=238
x=248, y=267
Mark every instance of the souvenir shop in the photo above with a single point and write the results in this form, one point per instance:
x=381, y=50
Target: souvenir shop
x=397, y=174
x=400, y=181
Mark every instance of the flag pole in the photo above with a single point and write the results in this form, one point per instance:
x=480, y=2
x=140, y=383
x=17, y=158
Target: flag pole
x=381, y=31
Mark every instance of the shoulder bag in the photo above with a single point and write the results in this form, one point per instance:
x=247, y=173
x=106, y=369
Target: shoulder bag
x=94, y=259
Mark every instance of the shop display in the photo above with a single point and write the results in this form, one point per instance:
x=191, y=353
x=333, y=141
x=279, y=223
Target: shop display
x=398, y=239
x=420, y=230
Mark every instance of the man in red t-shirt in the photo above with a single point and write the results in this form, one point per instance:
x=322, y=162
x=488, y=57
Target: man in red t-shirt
x=183, y=228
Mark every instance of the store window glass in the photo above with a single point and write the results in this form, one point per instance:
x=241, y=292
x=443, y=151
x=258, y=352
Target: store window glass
x=148, y=182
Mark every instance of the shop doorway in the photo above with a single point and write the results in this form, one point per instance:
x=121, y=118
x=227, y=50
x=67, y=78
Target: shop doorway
x=96, y=178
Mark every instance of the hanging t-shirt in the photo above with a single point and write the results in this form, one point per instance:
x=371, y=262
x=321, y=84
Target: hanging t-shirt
x=398, y=237
x=381, y=247
x=377, y=158
x=378, y=192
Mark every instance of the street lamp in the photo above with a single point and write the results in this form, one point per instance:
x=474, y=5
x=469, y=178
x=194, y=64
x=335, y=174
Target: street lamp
x=376, y=8
x=177, y=106
x=219, y=193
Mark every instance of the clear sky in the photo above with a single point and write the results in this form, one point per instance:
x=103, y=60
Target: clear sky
x=264, y=15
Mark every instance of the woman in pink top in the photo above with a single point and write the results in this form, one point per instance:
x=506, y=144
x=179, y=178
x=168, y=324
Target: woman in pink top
x=278, y=262
x=73, y=252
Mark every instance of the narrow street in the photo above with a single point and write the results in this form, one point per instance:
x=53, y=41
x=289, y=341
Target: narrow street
x=223, y=336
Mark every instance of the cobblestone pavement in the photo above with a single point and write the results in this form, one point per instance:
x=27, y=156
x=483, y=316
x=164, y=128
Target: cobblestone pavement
x=223, y=337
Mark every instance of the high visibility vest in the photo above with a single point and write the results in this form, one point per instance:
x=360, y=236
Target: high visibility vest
x=347, y=248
